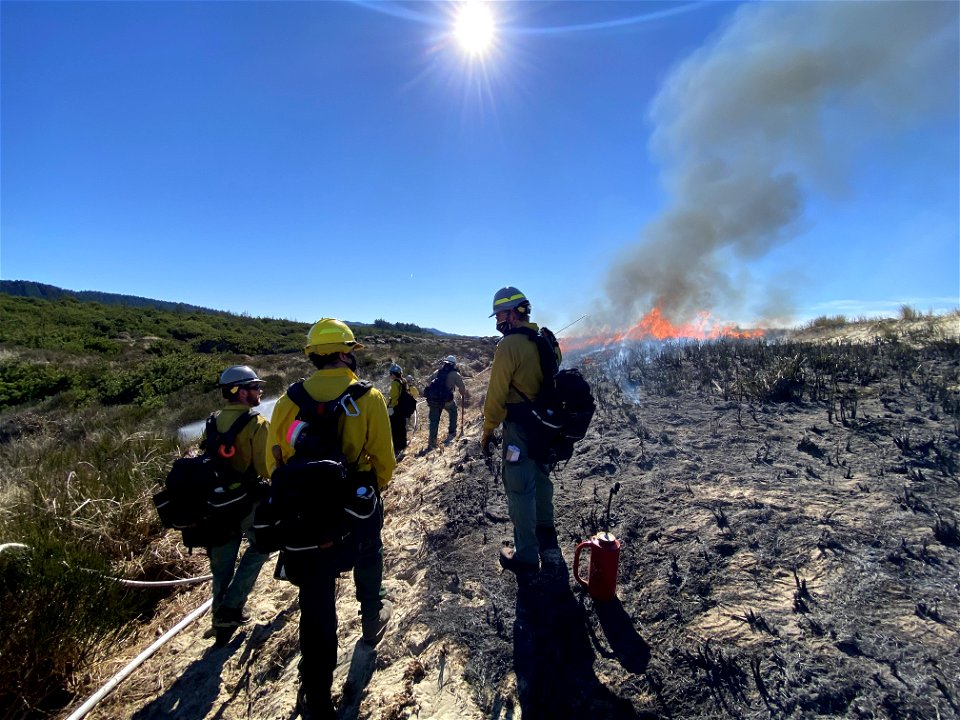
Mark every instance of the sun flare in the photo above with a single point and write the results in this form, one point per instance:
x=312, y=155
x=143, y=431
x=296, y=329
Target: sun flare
x=474, y=28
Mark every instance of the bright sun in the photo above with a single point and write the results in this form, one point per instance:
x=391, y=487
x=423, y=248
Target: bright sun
x=474, y=27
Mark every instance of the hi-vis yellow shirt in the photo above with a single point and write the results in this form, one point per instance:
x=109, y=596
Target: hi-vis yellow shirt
x=250, y=444
x=516, y=362
x=365, y=438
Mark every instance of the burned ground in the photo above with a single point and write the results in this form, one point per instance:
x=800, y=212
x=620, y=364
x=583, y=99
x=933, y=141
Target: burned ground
x=789, y=517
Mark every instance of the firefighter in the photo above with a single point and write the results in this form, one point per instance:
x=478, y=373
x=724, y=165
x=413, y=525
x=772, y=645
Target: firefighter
x=398, y=421
x=439, y=393
x=526, y=480
x=366, y=443
x=232, y=582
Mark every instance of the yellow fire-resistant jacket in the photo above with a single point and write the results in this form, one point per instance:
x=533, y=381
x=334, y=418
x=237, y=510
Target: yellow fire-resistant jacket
x=516, y=362
x=366, y=440
x=395, y=387
x=250, y=444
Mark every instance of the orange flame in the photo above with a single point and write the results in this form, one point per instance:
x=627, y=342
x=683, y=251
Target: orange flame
x=654, y=326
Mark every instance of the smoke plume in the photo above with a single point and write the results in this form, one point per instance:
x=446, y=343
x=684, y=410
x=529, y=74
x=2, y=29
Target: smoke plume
x=776, y=107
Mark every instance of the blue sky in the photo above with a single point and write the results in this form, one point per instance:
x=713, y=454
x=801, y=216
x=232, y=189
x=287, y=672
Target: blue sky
x=767, y=163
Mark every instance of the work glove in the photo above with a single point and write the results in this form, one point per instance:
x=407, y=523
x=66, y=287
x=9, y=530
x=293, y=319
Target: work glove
x=487, y=441
x=390, y=411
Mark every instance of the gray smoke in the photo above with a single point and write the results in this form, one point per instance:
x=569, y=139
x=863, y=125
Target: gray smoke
x=776, y=107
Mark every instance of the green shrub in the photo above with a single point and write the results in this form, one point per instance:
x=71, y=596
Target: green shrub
x=102, y=346
x=22, y=382
x=149, y=382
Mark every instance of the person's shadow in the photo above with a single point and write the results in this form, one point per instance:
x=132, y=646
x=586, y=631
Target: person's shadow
x=553, y=656
x=361, y=670
x=193, y=693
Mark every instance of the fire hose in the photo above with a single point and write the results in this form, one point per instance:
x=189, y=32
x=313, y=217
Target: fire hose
x=13, y=546
x=92, y=701
x=160, y=583
x=125, y=581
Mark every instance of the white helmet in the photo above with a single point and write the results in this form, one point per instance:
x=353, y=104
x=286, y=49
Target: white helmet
x=450, y=360
x=238, y=375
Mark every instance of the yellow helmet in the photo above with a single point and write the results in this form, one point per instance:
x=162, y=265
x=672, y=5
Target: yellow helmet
x=329, y=336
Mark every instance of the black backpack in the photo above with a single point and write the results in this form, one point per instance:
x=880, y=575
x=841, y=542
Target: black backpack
x=437, y=393
x=564, y=407
x=203, y=496
x=319, y=507
x=406, y=403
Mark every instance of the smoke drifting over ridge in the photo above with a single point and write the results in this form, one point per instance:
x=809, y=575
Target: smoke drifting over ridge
x=771, y=110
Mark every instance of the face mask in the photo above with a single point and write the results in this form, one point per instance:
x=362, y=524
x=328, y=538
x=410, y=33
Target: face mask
x=503, y=327
x=351, y=362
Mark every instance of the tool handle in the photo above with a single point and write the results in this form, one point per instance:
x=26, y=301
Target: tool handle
x=576, y=562
x=613, y=491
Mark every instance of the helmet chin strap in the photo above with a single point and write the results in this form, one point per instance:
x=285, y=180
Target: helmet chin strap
x=350, y=361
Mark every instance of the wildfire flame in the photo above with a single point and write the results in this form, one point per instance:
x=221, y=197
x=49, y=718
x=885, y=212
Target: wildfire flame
x=654, y=326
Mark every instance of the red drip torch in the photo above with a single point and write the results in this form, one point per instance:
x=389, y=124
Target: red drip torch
x=604, y=560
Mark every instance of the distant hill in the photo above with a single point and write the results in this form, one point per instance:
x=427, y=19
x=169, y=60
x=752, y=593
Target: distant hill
x=31, y=289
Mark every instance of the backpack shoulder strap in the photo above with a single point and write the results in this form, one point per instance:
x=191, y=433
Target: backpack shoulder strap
x=548, y=359
x=237, y=427
x=210, y=432
x=551, y=339
x=220, y=444
x=314, y=410
x=354, y=391
x=301, y=398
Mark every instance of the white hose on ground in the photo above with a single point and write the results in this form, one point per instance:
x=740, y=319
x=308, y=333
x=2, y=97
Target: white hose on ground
x=161, y=583
x=124, y=581
x=13, y=546
x=92, y=701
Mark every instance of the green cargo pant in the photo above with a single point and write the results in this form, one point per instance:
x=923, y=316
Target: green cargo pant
x=435, y=412
x=529, y=494
x=232, y=582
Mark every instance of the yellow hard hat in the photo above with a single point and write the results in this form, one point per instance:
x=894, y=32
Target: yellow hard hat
x=329, y=336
